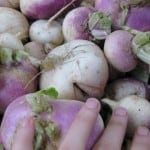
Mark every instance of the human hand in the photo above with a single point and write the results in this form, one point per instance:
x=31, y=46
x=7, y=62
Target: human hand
x=81, y=128
x=113, y=135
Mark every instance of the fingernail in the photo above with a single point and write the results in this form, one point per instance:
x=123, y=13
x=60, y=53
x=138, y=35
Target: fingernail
x=143, y=131
x=91, y=103
x=120, y=112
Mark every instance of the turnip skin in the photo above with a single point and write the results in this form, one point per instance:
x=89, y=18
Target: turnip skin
x=123, y=87
x=138, y=109
x=43, y=9
x=63, y=112
x=86, y=23
x=44, y=32
x=14, y=80
x=76, y=20
x=10, y=3
x=135, y=16
x=118, y=51
x=35, y=49
x=80, y=65
x=14, y=22
x=139, y=18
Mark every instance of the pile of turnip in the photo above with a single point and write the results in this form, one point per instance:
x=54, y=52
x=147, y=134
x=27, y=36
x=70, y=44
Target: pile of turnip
x=54, y=55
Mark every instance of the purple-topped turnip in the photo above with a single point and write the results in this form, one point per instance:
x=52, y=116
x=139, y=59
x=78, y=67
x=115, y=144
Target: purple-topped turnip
x=86, y=23
x=44, y=9
x=17, y=71
x=134, y=14
x=118, y=51
x=123, y=87
x=80, y=65
x=52, y=119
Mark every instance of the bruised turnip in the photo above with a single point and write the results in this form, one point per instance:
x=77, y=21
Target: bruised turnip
x=52, y=119
x=77, y=69
x=138, y=109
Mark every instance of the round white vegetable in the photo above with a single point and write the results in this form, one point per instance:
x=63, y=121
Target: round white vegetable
x=12, y=21
x=43, y=32
x=77, y=69
x=138, y=110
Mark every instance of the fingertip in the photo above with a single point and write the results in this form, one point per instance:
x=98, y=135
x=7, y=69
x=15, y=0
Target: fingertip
x=93, y=103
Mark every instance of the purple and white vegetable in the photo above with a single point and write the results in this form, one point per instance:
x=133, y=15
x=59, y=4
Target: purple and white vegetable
x=86, y=23
x=14, y=22
x=44, y=9
x=118, y=51
x=77, y=69
x=134, y=14
x=52, y=119
x=138, y=109
x=123, y=87
x=16, y=75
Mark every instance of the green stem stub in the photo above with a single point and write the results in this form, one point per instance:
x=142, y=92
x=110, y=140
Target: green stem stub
x=141, y=46
x=39, y=101
x=99, y=25
x=46, y=133
x=9, y=56
x=1, y=147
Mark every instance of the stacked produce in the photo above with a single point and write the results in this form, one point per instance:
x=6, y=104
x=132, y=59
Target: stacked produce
x=56, y=54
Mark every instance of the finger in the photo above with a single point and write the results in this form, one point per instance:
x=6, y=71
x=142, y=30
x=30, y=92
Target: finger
x=23, y=139
x=114, y=133
x=141, y=139
x=82, y=126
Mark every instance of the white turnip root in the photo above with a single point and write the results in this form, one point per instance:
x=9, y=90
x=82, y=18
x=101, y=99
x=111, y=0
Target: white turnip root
x=35, y=49
x=14, y=22
x=77, y=69
x=86, y=23
x=9, y=40
x=118, y=51
x=123, y=87
x=44, y=9
x=52, y=119
x=44, y=32
x=138, y=110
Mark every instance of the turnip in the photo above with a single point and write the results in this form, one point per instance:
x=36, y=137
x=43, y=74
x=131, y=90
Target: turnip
x=44, y=9
x=35, y=49
x=86, y=23
x=52, y=119
x=118, y=51
x=9, y=40
x=77, y=69
x=10, y=3
x=17, y=71
x=44, y=32
x=123, y=87
x=134, y=14
x=138, y=110
x=14, y=22
x=48, y=31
